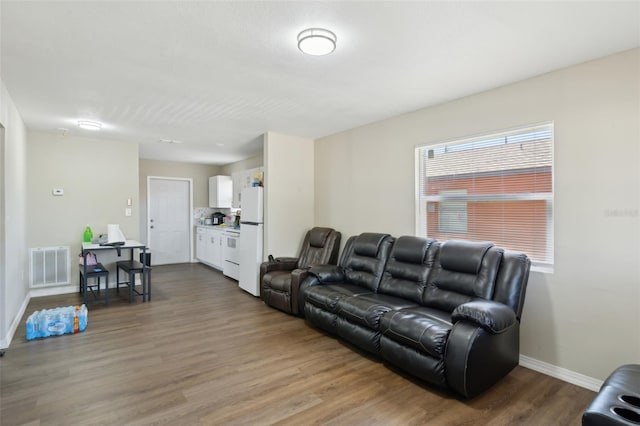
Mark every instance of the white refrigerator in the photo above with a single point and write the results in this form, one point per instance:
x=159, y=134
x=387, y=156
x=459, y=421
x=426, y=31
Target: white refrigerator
x=251, y=240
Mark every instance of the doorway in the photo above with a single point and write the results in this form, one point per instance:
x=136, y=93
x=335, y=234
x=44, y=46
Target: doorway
x=169, y=207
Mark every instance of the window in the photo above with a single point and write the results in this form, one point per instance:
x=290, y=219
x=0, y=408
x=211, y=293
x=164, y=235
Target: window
x=497, y=188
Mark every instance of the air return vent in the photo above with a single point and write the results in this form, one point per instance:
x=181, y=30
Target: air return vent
x=49, y=266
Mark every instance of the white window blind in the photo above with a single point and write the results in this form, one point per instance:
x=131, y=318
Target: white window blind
x=497, y=187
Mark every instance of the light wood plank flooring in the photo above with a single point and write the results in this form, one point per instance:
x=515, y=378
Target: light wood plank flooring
x=205, y=352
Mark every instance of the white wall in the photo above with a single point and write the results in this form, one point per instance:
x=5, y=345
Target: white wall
x=585, y=317
x=249, y=163
x=97, y=175
x=289, y=189
x=13, y=274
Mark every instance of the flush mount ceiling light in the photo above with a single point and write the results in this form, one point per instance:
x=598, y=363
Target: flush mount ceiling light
x=316, y=41
x=170, y=141
x=89, y=125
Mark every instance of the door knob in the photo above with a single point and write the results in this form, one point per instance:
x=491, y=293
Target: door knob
x=151, y=227
x=151, y=220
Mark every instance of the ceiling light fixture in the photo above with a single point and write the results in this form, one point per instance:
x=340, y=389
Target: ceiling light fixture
x=316, y=41
x=89, y=125
x=170, y=141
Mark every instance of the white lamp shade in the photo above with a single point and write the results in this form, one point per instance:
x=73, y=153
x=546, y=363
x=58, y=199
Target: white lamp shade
x=316, y=41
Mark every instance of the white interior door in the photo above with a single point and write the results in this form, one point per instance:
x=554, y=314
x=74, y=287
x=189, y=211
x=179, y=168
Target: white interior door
x=169, y=220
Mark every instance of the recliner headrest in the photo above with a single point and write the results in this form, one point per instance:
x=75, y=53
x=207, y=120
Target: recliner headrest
x=318, y=236
x=367, y=244
x=463, y=256
x=408, y=249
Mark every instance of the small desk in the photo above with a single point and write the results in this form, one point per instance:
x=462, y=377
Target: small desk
x=128, y=245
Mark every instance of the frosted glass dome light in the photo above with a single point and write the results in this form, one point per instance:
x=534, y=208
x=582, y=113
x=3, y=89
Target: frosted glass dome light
x=316, y=41
x=89, y=125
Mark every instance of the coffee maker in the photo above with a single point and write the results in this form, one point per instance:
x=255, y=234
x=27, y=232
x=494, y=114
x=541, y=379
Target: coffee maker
x=217, y=218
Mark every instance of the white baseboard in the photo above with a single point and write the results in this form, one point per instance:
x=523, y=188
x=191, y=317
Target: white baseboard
x=561, y=373
x=4, y=344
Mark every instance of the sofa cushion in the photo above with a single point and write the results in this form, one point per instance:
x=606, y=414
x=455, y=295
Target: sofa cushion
x=423, y=329
x=364, y=262
x=408, y=249
x=408, y=268
x=318, y=236
x=278, y=280
x=327, y=296
x=463, y=256
x=368, y=243
x=449, y=288
x=367, y=309
x=320, y=246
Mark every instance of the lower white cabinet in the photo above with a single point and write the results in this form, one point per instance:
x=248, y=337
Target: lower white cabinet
x=209, y=246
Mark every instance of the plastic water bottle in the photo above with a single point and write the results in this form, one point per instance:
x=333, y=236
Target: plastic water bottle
x=32, y=326
x=57, y=321
x=88, y=234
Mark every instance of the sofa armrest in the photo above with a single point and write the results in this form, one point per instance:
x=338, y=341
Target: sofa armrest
x=297, y=277
x=286, y=260
x=475, y=358
x=286, y=264
x=327, y=273
x=492, y=316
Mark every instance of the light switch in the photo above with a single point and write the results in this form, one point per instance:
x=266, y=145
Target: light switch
x=57, y=191
x=127, y=211
x=129, y=201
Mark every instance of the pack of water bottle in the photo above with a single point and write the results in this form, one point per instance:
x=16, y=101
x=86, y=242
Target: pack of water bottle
x=57, y=321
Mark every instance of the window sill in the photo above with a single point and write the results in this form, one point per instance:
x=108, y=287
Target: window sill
x=544, y=269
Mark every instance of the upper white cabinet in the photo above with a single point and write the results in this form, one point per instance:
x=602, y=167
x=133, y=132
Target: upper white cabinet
x=243, y=179
x=220, y=192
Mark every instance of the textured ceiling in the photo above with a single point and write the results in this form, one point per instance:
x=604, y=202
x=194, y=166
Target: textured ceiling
x=213, y=73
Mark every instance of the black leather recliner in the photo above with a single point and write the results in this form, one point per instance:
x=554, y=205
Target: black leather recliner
x=359, y=272
x=448, y=313
x=280, y=278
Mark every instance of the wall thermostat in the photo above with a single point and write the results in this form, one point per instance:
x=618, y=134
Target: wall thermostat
x=58, y=191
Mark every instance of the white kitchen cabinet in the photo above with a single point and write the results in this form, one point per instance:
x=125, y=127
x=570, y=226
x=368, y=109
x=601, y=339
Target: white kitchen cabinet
x=200, y=242
x=209, y=246
x=242, y=179
x=216, y=248
x=220, y=191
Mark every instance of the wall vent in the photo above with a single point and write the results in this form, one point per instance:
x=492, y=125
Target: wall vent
x=49, y=266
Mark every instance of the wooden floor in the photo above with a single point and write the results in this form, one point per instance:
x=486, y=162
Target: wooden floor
x=205, y=352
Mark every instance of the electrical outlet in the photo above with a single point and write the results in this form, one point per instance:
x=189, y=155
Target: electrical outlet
x=127, y=211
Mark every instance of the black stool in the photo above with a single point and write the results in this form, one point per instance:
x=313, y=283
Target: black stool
x=132, y=268
x=96, y=271
x=618, y=402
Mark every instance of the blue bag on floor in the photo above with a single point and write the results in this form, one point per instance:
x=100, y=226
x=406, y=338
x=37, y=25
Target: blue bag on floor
x=57, y=321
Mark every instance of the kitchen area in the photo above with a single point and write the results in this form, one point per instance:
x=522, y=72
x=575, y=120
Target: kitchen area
x=229, y=233
x=214, y=240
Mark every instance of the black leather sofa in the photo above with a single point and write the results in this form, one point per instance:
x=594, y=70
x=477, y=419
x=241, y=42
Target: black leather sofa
x=445, y=312
x=618, y=401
